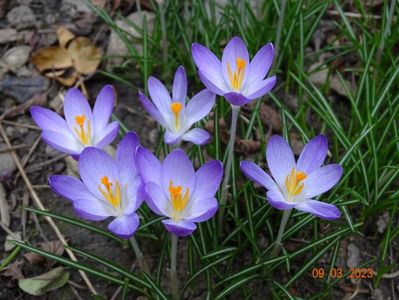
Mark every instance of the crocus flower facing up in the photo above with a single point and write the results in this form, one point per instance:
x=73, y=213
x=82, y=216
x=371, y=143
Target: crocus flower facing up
x=176, y=191
x=235, y=77
x=108, y=187
x=172, y=112
x=296, y=183
x=81, y=128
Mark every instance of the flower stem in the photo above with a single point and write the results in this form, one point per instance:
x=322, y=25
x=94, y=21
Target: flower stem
x=284, y=221
x=139, y=255
x=173, y=273
x=230, y=148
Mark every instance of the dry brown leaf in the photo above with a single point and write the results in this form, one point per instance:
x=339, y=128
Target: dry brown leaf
x=268, y=115
x=14, y=270
x=51, y=58
x=85, y=55
x=64, y=36
x=54, y=247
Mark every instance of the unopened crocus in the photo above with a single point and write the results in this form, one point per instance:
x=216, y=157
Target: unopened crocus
x=172, y=112
x=176, y=191
x=295, y=184
x=108, y=187
x=81, y=127
x=236, y=78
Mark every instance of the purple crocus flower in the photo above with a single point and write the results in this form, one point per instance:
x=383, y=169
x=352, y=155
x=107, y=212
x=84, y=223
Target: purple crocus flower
x=108, y=187
x=296, y=183
x=235, y=77
x=176, y=191
x=172, y=113
x=81, y=128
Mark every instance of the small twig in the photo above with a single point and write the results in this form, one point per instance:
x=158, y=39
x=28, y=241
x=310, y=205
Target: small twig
x=118, y=290
x=16, y=147
x=75, y=292
x=353, y=15
x=25, y=203
x=40, y=186
x=33, y=127
x=39, y=228
x=46, y=163
x=27, y=157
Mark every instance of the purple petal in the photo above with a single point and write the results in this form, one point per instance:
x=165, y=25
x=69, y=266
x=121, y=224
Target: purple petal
x=92, y=207
x=61, y=142
x=177, y=169
x=149, y=166
x=68, y=187
x=210, y=68
x=125, y=226
x=253, y=172
x=261, y=63
x=179, y=90
x=236, y=99
x=135, y=195
x=199, y=106
x=87, y=216
x=152, y=110
x=280, y=159
x=277, y=200
x=108, y=135
x=260, y=88
x=125, y=157
x=103, y=109
x=172, y=137
x=49, y=120
x=321, y=180
x=313, y=155
x=160, y=97
x=207, y=180
x=95, y=164
x=322, y=210
x=181, y=228
x=202, y=210
x=235, y=49
x=197, y=136
x=156, y=199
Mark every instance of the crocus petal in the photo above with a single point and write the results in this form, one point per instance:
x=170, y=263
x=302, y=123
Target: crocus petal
x=277, y=200
x=61, y=142
x=49, y=120
x=172, y=137
x=313, y=154
x=280, y=159
x=108, y=135
x=202, y=210
x=253, y=172
x=87, y=216
x=322, y=210
x=125, y=157
x=181, y=228
x=199, y=106
x=207, y=180
x=68, y=187
x=235, y=49
x=236, y=99
x=125, y=226
x=160, y=97
x=152, y=110
x=93, y=207
x=210, y=68
x=156, y=199
x=136, y=194
x=93, y=165
x=149, y=166
x=197, y=136
x=260, y=88
x=178, y=169
x=261, y=63
x=103, y=109
x=321, y=180
x=179, y=90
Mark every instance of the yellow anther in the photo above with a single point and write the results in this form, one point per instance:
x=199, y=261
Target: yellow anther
x=84, y=137
x=176, y=108
x=237, y=77
x=106, y=183
x=80, y=120
x=178, y=200
x=293, y=182
x=113, y=197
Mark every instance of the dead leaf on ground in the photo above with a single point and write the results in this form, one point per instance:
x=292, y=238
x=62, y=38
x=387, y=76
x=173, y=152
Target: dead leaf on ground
x=54, y=247
x=14, y=270
x=268, y=115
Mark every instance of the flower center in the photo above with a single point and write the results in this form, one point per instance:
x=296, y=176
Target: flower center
x=83, y=136
x=113, y=197
x=176, y=108
x=294, y=182
x=178, y=200
x=237, y=77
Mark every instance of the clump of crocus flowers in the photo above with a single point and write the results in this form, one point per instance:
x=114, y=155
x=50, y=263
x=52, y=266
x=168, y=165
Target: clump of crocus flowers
x=115, y=187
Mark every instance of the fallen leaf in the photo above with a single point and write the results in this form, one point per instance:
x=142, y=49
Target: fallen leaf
x=14, y=270
x=39, y=285
x=64, y=36
x=51, y=59
x=55, y=247
x=85, y=55
x=268, y=115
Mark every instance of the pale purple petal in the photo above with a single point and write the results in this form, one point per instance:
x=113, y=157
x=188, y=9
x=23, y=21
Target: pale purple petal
x=61, y=142
x=211, y=85
x=322, y=210
x=207, y=180
x=103, y=109
x=136, y=194
x=313, y=154
x=181, y=228
x=260, y=88
x=149, y=166
x=152, y=110
x=172, y=137
x=125, y=158
x=321, y=180
x=125, y=226
x=179, y=90
x=280, y=159
x=87, y=216
x=197, y=136
x=92, y=207
x=68, y=187
x=261, y=63
x=253, y=172
x=199, y=106
x=236, y=99
x=277, y=200
x=108, y=135
x=201, y=210
x=156, y=199
x=160, y=97
x=49, y=120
